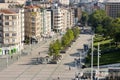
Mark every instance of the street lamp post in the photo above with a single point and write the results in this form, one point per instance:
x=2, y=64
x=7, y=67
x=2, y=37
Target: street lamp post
x=92, y=60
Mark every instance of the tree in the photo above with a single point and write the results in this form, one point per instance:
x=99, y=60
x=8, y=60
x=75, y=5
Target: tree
x=65, y=40
x=76, y=31
x=54, y=49
x=107, y=21
x=107, y=25
x=115, y=27
x=117, y=37
x=97, y=18
x=84, y=18
x=99, y=29
x=70, y=35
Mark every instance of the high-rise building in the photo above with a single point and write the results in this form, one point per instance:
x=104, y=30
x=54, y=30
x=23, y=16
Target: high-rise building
x=11, y=30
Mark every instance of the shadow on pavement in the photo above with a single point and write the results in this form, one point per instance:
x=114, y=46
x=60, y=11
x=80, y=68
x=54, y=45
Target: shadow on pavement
x=71, y=64
x=77, y=54
x=36, y=61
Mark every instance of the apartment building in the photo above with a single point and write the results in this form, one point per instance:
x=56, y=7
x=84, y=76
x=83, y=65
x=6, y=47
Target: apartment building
x=63, y=17
x=57, y=19
x=32, y=23
x=13, y=1
x=65, y=2
x=68, y=18
x=112, y=8
x=11, y=30
x=45, y=22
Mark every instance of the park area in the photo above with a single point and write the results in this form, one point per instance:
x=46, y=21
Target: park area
x=109, y=51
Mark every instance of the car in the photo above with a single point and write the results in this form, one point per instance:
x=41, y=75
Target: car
x=62, y=51
x=52, y=62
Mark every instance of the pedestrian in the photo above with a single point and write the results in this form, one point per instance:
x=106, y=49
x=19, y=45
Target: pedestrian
x=11, y=57
x=69, y=68
x=39, y=53
x=58, y=78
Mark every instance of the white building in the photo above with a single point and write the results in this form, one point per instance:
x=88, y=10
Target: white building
x=46, y=22
x=11, y=30
x=58, y=19
x=13, y=1
x=62, y=18
x=65, y=2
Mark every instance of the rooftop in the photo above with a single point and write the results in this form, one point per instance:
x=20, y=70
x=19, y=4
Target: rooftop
x=31, y=6
x=7, y=11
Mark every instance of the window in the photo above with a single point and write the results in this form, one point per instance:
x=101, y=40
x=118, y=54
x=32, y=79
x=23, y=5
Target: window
x=13, y=23
x=0, y=39
x=33, y=33
x=33, y=28
x=6, y=29
x=14, y=34
x=6, y=34
x=7, y=40
x=6, y=23
x=0, y=34
x=13, y=40
x=33, y=24
x=0, y=24
x=13, y=17
x=7, y=17
x=33, y=19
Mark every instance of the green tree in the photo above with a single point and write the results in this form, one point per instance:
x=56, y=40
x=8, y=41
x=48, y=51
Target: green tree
x=70, y=35
x=107, y=21
x=99, y=29
x=76, y=31
x=65, y=40
x=115, y=27
x=54, y=49
x=97, y=18
x=107, y=25
x=117, y=37
x=84, y=18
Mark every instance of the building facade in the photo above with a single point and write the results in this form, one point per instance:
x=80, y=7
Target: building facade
x=45, y=22
x=11, y=30
x=112, y=8
x=13, y=1
x=32, y=23
x=65, y=2
x=63, y=18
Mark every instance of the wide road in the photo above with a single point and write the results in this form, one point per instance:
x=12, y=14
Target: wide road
x=26, y=69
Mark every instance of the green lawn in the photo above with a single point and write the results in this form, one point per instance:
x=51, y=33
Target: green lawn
x=103, y=42
x=106, y=58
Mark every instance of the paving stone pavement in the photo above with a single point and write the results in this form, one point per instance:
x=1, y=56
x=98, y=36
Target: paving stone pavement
x=25, y=69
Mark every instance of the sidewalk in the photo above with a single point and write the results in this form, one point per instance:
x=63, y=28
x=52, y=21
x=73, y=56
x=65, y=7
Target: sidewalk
x=6, y=60
x=25, y=69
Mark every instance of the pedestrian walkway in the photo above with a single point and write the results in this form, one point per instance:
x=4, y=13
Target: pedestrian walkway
x=26, y=69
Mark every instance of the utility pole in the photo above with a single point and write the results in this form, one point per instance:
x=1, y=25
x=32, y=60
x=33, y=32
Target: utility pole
x=98, y=60
x=92, y=60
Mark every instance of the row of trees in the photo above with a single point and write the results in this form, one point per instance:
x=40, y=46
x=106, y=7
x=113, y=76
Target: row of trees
x=103, y=24
x=56, y=46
